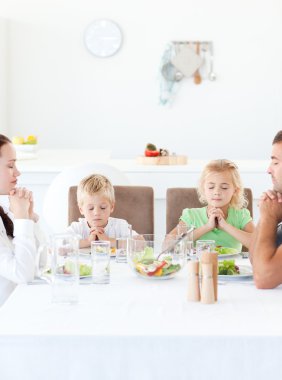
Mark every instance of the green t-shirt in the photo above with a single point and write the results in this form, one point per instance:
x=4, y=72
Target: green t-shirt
x=197, y=217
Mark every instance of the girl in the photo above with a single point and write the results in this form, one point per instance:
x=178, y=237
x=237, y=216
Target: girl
x=17, y=240
x=225, y=218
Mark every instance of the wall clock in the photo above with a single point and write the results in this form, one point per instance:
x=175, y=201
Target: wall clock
x=103, y=38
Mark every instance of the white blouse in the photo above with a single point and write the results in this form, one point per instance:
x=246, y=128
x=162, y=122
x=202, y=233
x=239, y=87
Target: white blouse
x=17, y=256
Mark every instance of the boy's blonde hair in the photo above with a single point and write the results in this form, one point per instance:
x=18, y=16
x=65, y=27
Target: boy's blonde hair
x=93, y=184
x=239, y=199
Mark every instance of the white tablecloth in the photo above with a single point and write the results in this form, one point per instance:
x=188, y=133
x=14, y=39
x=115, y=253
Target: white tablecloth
x=140, y=329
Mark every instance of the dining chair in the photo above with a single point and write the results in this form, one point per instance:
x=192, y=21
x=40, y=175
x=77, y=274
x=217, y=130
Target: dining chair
x=55, y=204
x=178, y=198
x=135, y=204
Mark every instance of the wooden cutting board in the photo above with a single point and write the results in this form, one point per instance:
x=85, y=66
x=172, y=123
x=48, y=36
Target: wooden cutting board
x=162, y=160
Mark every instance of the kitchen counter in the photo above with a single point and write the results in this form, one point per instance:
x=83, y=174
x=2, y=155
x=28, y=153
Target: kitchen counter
x=55, y=160
x=37, y=174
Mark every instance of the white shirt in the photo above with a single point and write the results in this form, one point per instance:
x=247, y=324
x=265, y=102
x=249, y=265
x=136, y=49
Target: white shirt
x=17, y=256
x=116, y=228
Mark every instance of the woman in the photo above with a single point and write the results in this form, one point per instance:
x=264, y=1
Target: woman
x=17, y=238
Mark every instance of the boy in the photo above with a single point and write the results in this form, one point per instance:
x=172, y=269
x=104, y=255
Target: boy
x=96, y=200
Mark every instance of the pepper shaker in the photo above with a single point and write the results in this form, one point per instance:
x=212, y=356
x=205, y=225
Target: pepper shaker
x=212, y=258
x=193, y=292
x=207, y=290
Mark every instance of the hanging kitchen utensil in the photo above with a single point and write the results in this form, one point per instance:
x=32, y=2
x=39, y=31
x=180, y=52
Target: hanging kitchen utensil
x=171, y=73
x=197, y=75
x=211, y=75
x=186, y=60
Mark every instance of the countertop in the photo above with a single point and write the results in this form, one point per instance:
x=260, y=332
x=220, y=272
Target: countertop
x=56, y=160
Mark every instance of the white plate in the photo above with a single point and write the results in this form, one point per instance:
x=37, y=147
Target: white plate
x=246, y=273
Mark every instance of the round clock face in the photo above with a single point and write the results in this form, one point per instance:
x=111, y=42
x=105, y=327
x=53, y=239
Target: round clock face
x=103, y=38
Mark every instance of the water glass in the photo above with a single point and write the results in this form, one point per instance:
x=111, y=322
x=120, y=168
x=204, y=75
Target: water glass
x=121, y=250
x=122, y=245
x=65, y=268
x=183, y=228
x=100, y=253
x=204, y=246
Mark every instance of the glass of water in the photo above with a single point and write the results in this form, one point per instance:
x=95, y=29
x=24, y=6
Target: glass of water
x=65, y=268
x=100, y=254
x=122, y=245
x=204, y=246
x=121, y=250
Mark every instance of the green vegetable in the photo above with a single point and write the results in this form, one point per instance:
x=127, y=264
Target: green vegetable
x=171, y=269
x=148, y=255
x=228, y=267
x=151, y=147
x=85, y=270
x=225, y=250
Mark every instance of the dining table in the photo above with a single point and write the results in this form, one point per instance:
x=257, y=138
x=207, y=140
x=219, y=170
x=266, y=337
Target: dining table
x=137, y=328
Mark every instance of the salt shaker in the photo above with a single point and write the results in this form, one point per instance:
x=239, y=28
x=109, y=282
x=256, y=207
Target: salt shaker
x=193, y=293
x=212, y=258
x=207, y=290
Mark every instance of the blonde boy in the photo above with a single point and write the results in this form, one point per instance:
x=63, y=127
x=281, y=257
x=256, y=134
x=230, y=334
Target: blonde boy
x=96, y=200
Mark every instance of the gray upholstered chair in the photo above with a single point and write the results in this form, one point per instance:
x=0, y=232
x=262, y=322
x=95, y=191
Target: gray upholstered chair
x=178, y=198
x=135, y=204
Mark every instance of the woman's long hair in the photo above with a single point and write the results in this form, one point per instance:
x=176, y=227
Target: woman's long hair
x=8, y=224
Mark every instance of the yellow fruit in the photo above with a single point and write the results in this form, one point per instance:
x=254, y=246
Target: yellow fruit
x=31, y=140
x=18, y=140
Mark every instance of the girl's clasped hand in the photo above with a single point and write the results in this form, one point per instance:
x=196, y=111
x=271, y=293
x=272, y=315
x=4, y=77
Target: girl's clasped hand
x=216, y=217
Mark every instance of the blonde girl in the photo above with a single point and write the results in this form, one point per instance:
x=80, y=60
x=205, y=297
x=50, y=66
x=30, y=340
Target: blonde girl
x=224, y=218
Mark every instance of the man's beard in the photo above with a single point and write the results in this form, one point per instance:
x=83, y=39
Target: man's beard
x=276, y=186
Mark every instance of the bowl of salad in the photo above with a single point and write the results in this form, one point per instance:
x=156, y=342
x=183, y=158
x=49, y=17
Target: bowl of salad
x=157, y=258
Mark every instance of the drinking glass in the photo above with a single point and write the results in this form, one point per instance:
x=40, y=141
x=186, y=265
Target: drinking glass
x=65, y=268
x=122, y=246
x=43, y=260
x=188, y=230
x=121, y=250
x=100, y=253
x=204, y=246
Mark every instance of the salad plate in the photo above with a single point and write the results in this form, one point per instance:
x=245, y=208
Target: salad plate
x=86, y=276
x=246, y=273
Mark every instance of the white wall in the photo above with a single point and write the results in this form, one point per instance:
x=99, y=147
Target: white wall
x=3, y=76
x=69, y=98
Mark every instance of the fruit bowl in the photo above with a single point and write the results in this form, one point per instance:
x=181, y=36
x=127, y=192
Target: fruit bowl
x=26, y=148
x=157, y=258
x=28, y=145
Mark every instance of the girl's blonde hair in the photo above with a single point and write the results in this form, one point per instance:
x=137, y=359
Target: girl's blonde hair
x=93, y=184
x=239, y=199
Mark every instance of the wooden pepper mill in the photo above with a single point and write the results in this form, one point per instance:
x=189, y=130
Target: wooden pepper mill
x=207, y=289
x=193, y=293
x=212, y=258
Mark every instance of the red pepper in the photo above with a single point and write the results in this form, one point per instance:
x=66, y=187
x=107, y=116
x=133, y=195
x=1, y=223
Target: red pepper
x=162, y=264
x=152, y=153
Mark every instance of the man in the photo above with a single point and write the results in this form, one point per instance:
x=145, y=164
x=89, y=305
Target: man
x=266, y=247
